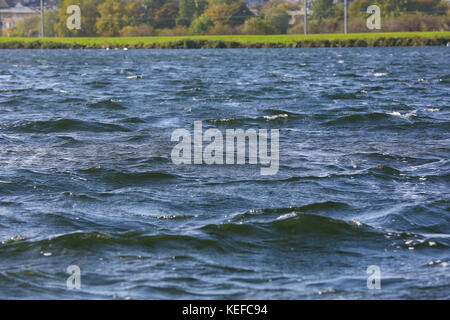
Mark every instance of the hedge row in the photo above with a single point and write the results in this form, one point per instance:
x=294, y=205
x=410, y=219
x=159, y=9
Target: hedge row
x=215, y=44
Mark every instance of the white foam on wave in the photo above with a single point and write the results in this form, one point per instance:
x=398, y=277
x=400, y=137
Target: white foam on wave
x=287, y=216
x=406, y=115
x=277, y=116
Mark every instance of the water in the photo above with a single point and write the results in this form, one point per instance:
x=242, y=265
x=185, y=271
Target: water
x=86, y=176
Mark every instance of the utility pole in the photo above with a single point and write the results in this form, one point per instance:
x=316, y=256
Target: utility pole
x=42, y=19
x=345, y=17
x=305, y=14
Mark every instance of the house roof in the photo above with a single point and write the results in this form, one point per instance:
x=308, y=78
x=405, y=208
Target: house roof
x=3, y=4
x=18, y=9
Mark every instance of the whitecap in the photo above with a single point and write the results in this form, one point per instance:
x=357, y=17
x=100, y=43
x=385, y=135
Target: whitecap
x=283, y=115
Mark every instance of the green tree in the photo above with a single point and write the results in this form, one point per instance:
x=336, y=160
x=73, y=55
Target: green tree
x=278, y=19
x=89, y=15
x=221, y=2
x=166, y=16
x=233, y=14
x=201, y=25
x=238, y=13
x=201, y=6
x=117, y=14
x=394, y=8
x=186, y=13
x=148, y=10
x=322, y=9
x=257, y=25
x=111, y=19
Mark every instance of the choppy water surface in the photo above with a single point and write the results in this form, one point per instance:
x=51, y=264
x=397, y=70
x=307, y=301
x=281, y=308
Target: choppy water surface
x=86, y=176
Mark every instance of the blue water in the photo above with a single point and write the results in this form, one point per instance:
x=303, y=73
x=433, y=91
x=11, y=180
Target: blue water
x=86, y=176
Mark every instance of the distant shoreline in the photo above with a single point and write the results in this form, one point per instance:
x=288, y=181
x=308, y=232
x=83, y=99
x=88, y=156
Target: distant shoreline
x=235, y=41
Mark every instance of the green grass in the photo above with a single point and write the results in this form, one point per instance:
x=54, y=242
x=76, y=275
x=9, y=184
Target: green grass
x=247, y=41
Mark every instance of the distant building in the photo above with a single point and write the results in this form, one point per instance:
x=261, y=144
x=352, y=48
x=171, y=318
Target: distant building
x=296, y=16
x=255, y=4
x=11, y=12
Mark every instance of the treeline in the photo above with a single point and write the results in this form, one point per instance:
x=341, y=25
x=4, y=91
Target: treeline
x=111, y=18
x=396, y=15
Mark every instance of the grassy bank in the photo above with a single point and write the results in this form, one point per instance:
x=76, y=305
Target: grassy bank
x=235, y=41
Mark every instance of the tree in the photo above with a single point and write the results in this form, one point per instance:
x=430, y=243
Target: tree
x=186, y=13
x=220, y=2
x=201, y=6
x=278, y=19
x=238, y=12
x=393, y=8
x=233, y=14
x=201, y=25
x=148, y=11
x=257, y=25
x=166, y=16
x=117, y=14
x=322, y=9
x=111, y=19
x=89, y=15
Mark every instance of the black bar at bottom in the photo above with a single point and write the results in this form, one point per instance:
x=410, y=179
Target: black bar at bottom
x=224, y=309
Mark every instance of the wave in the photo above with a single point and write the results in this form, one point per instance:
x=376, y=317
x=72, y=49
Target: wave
x=384, y=170
x=274, y=117
x=64, y=125
x=342, y=95
x=133, y=120
x=219, y=237
x=110, y=104
x=317, y=206
x=293, y=225
x=98, y=84
x=89, y=240
x=112, y=175
x=357, y=118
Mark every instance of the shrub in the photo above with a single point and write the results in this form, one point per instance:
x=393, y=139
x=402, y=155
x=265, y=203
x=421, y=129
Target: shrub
x=257, y=26
x=137, y=31
x=220, y=29
x=176, y=31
